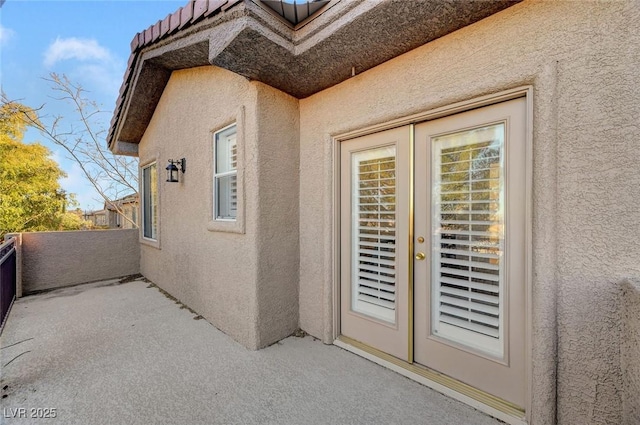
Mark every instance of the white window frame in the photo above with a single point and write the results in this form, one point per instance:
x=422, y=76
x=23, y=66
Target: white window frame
x=236, y=118
x=153, y=238
x=217, y=176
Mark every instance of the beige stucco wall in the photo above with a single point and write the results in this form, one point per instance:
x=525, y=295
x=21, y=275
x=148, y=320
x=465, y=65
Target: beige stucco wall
x=277, y=232
x=236, y=280
x=56, y=259
x=582, y=60
x=630, y=352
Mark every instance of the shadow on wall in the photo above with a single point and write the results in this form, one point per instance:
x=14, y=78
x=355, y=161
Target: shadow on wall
x=630, y=352
x=57, y=259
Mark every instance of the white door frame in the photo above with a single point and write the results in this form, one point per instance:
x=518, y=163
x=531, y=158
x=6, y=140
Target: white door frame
x=452, y=389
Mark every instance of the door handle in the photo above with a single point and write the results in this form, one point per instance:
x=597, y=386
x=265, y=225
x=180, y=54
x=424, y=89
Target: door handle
x=420, y=256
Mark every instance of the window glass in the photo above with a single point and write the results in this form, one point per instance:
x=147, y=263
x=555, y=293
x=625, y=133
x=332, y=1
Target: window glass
x=468, y=237
x=225, y=174
x=149, y=201
x=373, y=197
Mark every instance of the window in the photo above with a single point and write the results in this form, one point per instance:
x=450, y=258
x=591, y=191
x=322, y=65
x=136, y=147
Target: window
x=374, y=232
x=469, y=239
x=226, y=203
x=150, y=201
x=225, y=174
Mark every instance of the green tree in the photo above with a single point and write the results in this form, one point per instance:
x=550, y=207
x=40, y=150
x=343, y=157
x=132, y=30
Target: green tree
x=30, y=196
x=81, y=135
x=72, y=220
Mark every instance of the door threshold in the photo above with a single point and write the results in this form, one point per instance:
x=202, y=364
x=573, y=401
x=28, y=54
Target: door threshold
x=486, y=403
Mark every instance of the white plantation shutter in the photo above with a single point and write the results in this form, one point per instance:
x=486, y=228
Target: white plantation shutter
x=225, y=174
x=374, y=233
x=468, y=237
x=233, y=190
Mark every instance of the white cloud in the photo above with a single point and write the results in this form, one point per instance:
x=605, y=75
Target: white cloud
x=107, y=77
x=56, y=156
x=81, y=49
x=6, y=34
x=87, y=62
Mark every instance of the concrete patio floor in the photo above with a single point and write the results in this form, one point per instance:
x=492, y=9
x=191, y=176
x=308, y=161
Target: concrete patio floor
x=110, y=353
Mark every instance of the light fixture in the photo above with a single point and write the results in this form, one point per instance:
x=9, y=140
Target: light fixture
x=173, y=167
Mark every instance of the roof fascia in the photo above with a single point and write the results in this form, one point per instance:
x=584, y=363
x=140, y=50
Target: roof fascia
x=348, y=37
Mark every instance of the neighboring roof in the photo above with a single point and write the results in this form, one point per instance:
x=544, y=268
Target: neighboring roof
x=128, y=199
x=344, y=38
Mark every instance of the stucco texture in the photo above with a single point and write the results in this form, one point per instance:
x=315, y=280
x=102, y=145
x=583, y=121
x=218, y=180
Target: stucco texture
x=242, y=277
x=630, y=352
x=581, y=59
x=56, y=259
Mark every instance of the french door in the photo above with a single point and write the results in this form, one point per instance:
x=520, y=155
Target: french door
x=374, y=199
x=457, y=306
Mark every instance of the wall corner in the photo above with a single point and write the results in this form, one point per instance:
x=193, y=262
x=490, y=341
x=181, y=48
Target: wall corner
x=18, y=238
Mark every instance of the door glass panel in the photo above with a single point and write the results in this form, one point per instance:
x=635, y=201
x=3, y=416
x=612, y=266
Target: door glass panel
x=468, y=238
x=373, y=178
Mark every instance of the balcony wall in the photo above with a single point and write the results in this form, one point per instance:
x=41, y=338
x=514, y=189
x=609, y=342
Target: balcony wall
x=56, y=259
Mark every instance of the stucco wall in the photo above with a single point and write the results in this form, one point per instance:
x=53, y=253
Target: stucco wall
x=581, y=59
x=278, y=237
x=56, y=259
x=217, y=272
x=630, y=352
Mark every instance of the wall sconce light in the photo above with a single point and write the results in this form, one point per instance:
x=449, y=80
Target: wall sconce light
x=173, y=167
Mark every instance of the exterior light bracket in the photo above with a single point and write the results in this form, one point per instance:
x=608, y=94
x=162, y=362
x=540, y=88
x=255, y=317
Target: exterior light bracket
x=173, y=167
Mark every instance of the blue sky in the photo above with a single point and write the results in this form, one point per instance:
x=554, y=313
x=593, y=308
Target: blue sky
x=88, y=41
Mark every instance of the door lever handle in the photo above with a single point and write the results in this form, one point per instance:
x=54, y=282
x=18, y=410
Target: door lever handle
x=420, y=256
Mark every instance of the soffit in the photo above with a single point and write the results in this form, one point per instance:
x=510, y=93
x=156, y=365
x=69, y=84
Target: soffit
x=295, y=12
x=243, y=36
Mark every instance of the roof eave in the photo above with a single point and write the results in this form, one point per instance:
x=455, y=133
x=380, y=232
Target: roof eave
x=251, y=42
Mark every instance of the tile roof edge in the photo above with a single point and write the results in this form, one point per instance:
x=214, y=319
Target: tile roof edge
x=173, y=23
